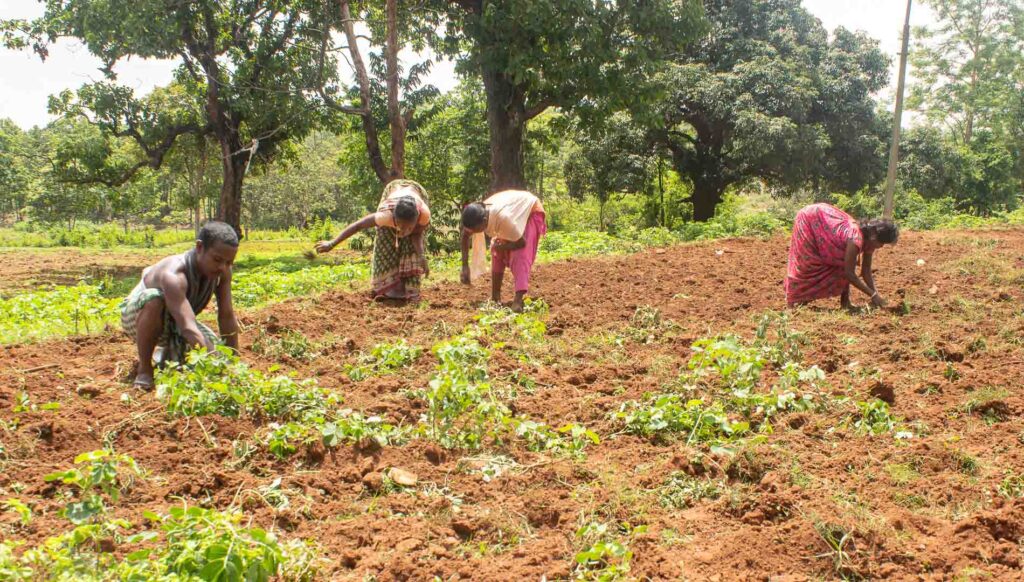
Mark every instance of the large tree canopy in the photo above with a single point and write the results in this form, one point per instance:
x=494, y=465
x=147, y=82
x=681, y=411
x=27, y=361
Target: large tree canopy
x=768, y=95
x=611, y=158
x=963, y=65
x=969, y=79
x=246, y=78
x=534, y=54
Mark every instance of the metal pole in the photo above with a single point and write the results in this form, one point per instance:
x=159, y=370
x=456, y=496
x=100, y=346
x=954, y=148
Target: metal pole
x=894, y=152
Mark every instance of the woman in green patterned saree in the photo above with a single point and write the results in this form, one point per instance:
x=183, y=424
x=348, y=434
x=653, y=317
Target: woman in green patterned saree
x=399, y=260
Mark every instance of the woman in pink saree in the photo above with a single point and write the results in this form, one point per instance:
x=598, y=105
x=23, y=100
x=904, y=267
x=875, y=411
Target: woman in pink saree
x=824, y=252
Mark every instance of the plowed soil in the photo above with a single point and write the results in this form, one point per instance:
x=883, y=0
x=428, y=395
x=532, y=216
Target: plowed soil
x=949, y=359
x=24, y=269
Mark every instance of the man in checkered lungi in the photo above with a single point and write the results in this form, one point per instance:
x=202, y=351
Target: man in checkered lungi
x=161, y=310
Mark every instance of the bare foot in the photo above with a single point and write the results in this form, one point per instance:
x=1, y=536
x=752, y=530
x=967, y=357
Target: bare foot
x=516, y=306
x=144, y=381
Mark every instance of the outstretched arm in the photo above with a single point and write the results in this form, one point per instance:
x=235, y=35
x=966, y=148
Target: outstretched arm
x=226, y=320
x=174, y=285
x=362, y=224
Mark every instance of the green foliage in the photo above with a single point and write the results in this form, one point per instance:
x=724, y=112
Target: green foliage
x=968, y=71
x=1012, y=486
x=875, y=418
x=105, y=236
x=62, y=311
x=681, y=491
x=778, y=343
x=211, y=545
x=274, y=282
x=384, y=358
x=11, y=567
x=463, y=409
x=737, y=404
x=647, y=326
x=534, y=56
x=245, y=77
x=736, y=365
x=571, y=439
x=99, y=473
x=613, y=158
x=563, y=245
x=503, y=323
x=299, y=412
x=744, y=103
x=83, y=308
x=606, y=556
x=838, y=540
x=23, y=511
x=668, y=413
x=196, y=544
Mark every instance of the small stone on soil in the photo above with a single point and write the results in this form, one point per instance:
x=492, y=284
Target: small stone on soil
x=403, y=477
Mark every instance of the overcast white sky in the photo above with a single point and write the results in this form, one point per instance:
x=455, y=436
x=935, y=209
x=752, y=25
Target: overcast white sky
x=26, y=83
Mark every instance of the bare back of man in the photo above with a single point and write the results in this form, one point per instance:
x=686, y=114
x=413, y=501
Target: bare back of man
x=162, y=309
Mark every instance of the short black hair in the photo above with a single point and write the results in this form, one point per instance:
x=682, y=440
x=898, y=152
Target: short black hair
x=406, y=209
x=474, y=215
x=883, y=230
x=215, y=231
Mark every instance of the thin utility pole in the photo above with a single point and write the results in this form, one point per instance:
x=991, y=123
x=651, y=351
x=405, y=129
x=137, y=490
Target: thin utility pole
x=894, y=153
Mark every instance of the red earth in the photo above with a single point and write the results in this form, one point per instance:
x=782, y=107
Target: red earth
x=949, y=358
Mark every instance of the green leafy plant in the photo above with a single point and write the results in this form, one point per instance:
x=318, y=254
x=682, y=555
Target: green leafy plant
x=1012, y=486
x=294, y=413
x=100, y=472
x=504, y=323
x=727, y=359
x=681, y=491
x=211, y=545
x=13, y=568
x=605, y=556
x=384, y=358
x=23, y=404
x=647, y=325
x=190, y=543
x=778, y=343
x=571, y=439
x=875, y=418
x=461, y=409
x=24, y=512
x=663, y=414
x=839, y=542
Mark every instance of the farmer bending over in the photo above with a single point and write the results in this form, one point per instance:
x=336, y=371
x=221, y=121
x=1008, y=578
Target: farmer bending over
x=161, y=310
x=823, y=254
x=399, y=259
x=514, y=219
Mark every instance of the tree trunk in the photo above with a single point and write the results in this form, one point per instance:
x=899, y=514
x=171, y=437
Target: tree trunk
x=395, y=119
x=661, y=191
x=197, y=218
x=383, y=172
x=506, y=118
x=707, y=193
x=235, y=160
